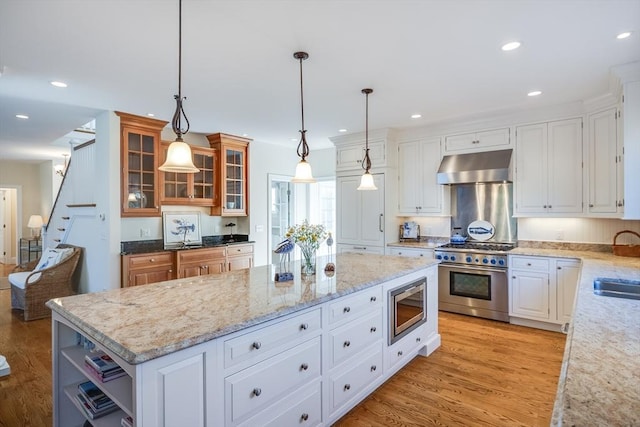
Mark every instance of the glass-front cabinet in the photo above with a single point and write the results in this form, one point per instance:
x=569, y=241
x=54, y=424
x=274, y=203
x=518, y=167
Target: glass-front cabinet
x=232, y=173
x=191, y=188
x=140, y=138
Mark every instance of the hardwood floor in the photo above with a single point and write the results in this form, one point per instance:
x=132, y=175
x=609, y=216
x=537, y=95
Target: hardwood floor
x=485, y=373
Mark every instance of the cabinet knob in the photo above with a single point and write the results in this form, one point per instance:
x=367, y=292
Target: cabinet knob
x=347, y=343
x=418, y=339
x=304, y=417
x=544, y=206
x=257, y=391
x=373, y=299
x=373, y=368
x=373, y=329
x=620, y=204
x=304, y=367
x=528, y=264
x=590, y=205
x=400, y=353
x=256, y=345
x=152, y=260
x=304, y=326
x=347, y=309
x=347, y=387
x=513, y=277
x=170, y=271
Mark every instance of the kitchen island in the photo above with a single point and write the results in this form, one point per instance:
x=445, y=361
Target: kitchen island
x=219, y=349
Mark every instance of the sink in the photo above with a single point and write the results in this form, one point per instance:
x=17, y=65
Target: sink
x=619, y=288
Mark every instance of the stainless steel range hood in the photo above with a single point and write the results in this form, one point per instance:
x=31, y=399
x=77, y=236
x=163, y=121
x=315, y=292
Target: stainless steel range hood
x=488, y=166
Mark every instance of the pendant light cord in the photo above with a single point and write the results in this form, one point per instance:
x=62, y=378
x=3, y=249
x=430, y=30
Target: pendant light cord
x=366, y=161
x=176, y=122
x=303, y=147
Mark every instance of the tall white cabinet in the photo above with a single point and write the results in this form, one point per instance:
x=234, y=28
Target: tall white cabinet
x=605, y=164
x=548, y=176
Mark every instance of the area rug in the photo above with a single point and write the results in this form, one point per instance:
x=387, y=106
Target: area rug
x=4, y=283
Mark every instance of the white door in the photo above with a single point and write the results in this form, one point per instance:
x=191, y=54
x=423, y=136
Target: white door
x=564, y=158
x=348, y=210
x=371, y=218
x=531, y=169
x=410, y=178
x=431, y=192
x=603, y=146
x=567, y=274
x=530, y=295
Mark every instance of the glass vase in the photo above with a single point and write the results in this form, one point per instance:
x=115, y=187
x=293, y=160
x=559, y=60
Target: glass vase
x=308, y=262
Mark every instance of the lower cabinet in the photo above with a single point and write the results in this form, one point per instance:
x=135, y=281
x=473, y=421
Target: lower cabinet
x=239, y=257
x=147, y=268
x=200, y=262
x=542, y=289
x=411, y=252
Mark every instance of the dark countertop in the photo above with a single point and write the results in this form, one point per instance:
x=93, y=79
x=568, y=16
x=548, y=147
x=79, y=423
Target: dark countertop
x=150, y=246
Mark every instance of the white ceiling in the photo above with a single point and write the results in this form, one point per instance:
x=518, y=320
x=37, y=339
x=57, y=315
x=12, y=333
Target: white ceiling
x=438, y=58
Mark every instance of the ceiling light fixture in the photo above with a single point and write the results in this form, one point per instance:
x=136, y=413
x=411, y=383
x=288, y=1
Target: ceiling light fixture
x=510, y=46
x=22, y=116
x=623, y=35
x=179, y=157
x=366, y=182
x=534, y=93
x=303, y=169
x=58, y=84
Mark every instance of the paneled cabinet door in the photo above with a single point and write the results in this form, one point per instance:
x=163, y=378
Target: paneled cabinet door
x=360, y=213
x=419, y=192
x=604, y=162
x=239, y=257
x=530, y=295
x=349, y=157
x=567, y=275
x=142, y=269
x=197, y=189
x=200, y=262
x=478, y=141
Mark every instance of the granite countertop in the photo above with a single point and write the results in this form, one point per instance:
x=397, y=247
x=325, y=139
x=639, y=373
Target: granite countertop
x=151, y=246
x=144, y=322
x=600, y=378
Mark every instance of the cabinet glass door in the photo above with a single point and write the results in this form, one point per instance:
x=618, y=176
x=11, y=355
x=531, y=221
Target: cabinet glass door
x=234, y=185
x=203, y=180
x=141, y=170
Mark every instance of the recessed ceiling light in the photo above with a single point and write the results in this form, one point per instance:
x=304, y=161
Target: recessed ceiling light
x=151, y=115
x=416, y=116
x=534, y=93
x=510, y=46
x=342, y=130
x=294, y=139
x=623, y=35
x=245, y=135
x=22, y=116
x=58, y=84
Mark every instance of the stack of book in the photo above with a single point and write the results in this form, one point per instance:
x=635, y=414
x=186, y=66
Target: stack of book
x=102, y=366
x=94, y=402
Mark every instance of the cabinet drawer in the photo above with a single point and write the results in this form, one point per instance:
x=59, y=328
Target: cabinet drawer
x=530, y=263
x=355, y=306
x=351, y=338
x=303, y=407
x=259, y=344
x=254, y=388
x=234, y=250
x=347, y=384
x=150, y=260
x=405, y=348
x=198, y=255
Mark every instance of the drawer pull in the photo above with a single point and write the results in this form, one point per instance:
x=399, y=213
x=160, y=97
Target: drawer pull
x=304, y=367
x=373, y=368
x=304, y=417
x=257, y=392
x=304, y=326
x=347, y=387
x=256, y=345
x=347, y=343
x=373, y=299
x=528, y=264
x=400, y=353
x=347, y=309
x=373, y=329
x=418, y=339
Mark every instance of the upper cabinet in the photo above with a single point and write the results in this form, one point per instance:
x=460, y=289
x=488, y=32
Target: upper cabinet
x=548, y=175
x=139, y=157
x=197, y=189
x=232, y=172
x=350, y=150
x=418, y=192
x=496, y=139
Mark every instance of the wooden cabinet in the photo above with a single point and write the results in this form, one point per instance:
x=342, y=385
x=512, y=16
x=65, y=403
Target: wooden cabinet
x=139, y=159
x=200, y=262
x=239, y=257
x=548, y=176
x=360, y=221
x=197, y=189
x=418, y=191
x=148, y=268
x=605, y=164
x=232, y=174
x=478, y=141
x=542, y=289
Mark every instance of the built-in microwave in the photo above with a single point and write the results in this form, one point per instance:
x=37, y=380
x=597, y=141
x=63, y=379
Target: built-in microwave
x=407, y=308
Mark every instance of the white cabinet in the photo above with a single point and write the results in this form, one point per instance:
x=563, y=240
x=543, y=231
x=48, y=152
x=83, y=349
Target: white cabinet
x=411, y=252
x=361, y=218
x=542, y=289
x=605, y=162
x=548, y=176
x=349, y=157
x=418, y=191
x=496, y=139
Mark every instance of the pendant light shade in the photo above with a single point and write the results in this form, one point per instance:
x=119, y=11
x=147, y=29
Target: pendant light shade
x=366, y=182
x=179, y=157
x=303, y=169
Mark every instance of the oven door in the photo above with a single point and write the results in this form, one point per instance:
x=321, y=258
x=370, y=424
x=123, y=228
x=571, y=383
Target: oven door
x=407, y=309
x=474, y=290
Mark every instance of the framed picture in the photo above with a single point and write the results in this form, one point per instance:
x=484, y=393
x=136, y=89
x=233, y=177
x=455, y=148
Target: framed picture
x=181, y=229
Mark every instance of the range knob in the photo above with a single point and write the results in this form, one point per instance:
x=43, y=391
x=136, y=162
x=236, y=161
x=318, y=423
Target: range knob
x=438, y=256
x=468, y=259
x=485, y=261
x=501, y=262
x=453, y=257
x=446, y=257
x=493, y=262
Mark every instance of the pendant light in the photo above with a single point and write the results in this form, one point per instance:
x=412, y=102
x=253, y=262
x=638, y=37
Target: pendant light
x=179, y=153
x=303, y=169
x=366, y=182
